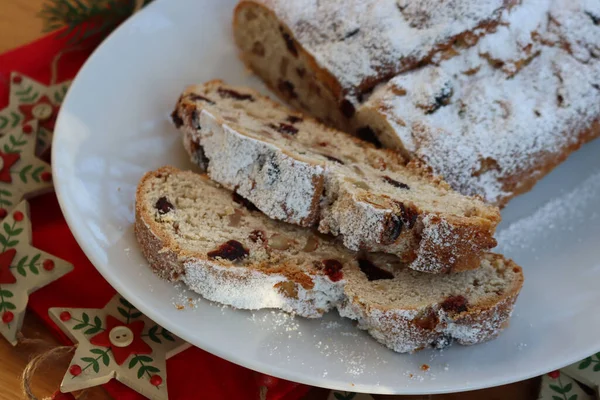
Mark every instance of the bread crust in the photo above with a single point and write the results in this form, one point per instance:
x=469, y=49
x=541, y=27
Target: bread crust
x=203, y=275
x=402, y=328
x=338, y=100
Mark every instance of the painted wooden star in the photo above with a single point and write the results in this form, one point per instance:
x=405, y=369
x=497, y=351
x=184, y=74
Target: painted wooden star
x=30, y=100
x=22, y=174
x=23, y=270
x=586, y=371
x=117, y=341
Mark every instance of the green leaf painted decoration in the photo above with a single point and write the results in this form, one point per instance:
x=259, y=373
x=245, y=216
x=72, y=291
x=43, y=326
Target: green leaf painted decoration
x=125, y=303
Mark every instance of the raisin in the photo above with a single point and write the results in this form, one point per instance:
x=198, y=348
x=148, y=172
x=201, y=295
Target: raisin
x=284, y=128
x=393, y=227
x=231, y=250
x=198, y=155
x=271, y=168
x=287, y=89
x=257, y=235
x=289, y=42
x=367, y=134
x=332, y=158
x=177, y=120
x=442, y=342
x=395, y=183
x=351, y=33
x=333, y=269
x=595, y=18
x=163, y=205
x=408, y=215
x=300, y=71
x=196, y=120
x=373, y=272
x=443, y=99
x=258, y=49
x=347, y=108
x=292, y=119
x=244, y=202
x=196, y=97
x=456, y=304
x=234, y=95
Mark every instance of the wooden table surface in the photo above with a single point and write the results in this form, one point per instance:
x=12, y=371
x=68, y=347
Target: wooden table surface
x=19, y=25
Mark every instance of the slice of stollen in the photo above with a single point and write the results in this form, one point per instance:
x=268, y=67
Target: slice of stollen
x=192, y=230
x=297, y=170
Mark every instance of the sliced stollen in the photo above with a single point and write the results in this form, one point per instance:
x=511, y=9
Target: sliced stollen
x=296, y=170
x=495, y=119
x=192, y=230
x=407, y=310
x=323, y=56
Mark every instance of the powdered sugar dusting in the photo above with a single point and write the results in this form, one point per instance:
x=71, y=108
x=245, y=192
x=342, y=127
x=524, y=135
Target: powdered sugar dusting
x=359, y=41
x=539, y=225
x=514, y=99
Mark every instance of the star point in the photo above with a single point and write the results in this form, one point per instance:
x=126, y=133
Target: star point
x=21, y=270
x=118, y=342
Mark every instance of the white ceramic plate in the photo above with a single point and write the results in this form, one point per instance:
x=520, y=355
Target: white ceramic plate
x=114, y=126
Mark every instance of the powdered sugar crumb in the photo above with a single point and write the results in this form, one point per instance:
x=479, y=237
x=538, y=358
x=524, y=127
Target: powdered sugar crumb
x=539, y=225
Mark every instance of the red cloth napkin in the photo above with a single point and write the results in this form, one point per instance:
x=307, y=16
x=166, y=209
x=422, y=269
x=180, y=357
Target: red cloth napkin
x=194, y=373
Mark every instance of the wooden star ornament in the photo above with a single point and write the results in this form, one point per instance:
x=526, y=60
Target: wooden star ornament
x=22, y=174
x=30, y=100
x=23, y=270
x=117, y=341
x=586, y=371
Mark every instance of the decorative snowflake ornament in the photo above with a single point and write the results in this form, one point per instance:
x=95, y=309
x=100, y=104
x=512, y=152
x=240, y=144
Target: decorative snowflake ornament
x=28, y=101
x=118, y=342
x=23, y=269
x=22, y=174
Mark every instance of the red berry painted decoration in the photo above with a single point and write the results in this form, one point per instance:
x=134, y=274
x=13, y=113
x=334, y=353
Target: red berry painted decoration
x=8, y=317
x=554, y=374
x=27, y=129
x=48, y=265
x=18, y=216
x=3, y=212
x=17, y=79
x=155, y=380
x=65, y=316
x=75, y=370
x=46, y=176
